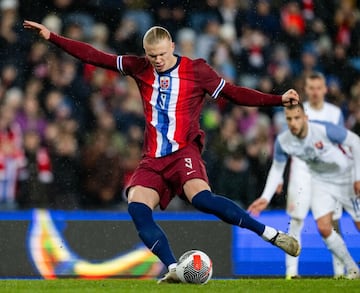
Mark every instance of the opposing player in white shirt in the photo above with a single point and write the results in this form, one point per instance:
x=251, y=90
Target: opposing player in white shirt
x=299, y=187
x=335, y=175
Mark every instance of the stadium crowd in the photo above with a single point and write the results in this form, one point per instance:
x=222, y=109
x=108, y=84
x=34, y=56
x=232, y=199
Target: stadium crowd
x=71, y=133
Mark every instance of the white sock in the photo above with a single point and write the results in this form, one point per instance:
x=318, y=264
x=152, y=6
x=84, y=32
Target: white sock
x=269, y=233
x=172, y=266
x=337, y=246
x=338, y=266
x=292, y=263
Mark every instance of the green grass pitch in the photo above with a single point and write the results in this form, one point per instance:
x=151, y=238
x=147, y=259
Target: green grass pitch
x=124, y=285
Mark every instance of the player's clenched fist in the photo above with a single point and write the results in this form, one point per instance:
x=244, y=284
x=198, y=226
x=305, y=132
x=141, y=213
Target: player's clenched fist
x=41, y=29
x=290, y=97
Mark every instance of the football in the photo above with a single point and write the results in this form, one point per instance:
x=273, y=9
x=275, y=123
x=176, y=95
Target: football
x=195, y=267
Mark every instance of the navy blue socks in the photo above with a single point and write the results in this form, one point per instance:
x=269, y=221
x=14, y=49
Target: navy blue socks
x=155, y=239
x=226, y=210
x=150, y=233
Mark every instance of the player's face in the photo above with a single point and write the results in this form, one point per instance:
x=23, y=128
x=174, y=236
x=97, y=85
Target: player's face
x=315, y=90
x=161, y=54
x=296, y=121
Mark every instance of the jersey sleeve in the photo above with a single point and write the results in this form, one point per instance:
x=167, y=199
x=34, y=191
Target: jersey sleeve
x=276, y=171
x=273, y=180
x=216, y=87
x=279, y=154
x=343, y=136
x=335, y=133
x=341, y=121
x=131, y=64
x=84, y=52
x=211, y=82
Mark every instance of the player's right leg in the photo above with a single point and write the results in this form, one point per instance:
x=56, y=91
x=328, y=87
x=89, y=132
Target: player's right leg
x=142, y=201
x=297, y=207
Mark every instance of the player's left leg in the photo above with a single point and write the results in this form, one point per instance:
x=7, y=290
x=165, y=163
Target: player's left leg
x=338, y=266
x=231, y=213
x=336, y=245
x=292, y=263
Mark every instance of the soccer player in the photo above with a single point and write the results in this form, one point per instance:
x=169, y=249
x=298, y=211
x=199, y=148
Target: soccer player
x=173, y=89
x=335, y=175
x=299, y=185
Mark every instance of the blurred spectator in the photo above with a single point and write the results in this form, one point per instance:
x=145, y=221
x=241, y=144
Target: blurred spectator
x=171, y=14
x=222, y=60
x=127, y=38
x=202, y=13
x=35, y=10
x=263, y=18
x=335, y=95
x=14, y=99
x=346, y=19
x=106, y=11
x=138, y=11
x=186, y=43
x=12, y=46
x=254, y=57
x=65, y=158
x=234, y=178
x=36, y=63
x=226, y=140
x=233, y=13
x=339, y=66
x=353, y=119
x=66, y=79
x=308, y=62
x=53, y=22
x=11, y=156
x=131, y=159
x=36, y=176
x=258, y=141
x=102, y=172
x=8, y=78
x=207, y=39
x=293, y=28
x=279, y=69
x=30, y=117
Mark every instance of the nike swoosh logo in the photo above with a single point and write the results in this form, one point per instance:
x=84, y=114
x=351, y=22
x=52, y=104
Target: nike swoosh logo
x=190, y=172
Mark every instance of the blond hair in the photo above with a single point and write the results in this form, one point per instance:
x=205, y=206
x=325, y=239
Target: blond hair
x=156, y=34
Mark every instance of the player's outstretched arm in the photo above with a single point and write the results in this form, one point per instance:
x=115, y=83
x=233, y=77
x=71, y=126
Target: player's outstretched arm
x=258, y=206
x=41, y=29
x=250, y=97
x=80, y=50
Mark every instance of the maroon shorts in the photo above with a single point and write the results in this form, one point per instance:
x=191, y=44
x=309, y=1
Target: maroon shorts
x=167, y=175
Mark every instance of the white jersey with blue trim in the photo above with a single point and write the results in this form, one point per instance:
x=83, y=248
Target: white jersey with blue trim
x=323, y=152
x=321, y=149
x=328, y=112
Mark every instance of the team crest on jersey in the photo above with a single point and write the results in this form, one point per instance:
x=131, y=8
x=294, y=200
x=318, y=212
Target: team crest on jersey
x=319, y=145
x=164, y=82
